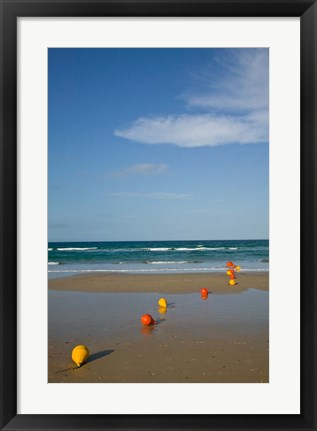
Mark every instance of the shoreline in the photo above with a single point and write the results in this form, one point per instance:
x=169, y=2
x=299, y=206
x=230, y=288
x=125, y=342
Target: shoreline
x=160, y=283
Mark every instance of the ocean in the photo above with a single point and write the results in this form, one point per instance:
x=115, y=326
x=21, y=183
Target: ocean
x=68, y=258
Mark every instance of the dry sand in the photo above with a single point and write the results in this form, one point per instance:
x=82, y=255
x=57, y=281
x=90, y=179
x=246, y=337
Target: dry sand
x=224, y=339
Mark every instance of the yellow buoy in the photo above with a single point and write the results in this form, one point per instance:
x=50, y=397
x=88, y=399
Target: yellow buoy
x=232, y=282
x=80, y=355
x=162, y=302
x=238, y=268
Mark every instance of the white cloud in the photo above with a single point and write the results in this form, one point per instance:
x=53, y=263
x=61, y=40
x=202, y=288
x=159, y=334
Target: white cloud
x=142, y=169
x=243, y=85
x=198, y=130
x=231, y=108
x=153, y=195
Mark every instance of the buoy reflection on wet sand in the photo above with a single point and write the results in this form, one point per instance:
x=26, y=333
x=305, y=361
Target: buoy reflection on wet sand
x=162, y=310
x=147, y=330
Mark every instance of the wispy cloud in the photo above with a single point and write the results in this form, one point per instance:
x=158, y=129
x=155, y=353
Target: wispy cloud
x=198, y=130
x=215, y=212
x=142, y=169
x=232, y=107
x=241, y=87
x=153, y=195
x=58, y=225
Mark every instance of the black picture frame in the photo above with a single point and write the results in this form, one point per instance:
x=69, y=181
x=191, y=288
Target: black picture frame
x=10, y=11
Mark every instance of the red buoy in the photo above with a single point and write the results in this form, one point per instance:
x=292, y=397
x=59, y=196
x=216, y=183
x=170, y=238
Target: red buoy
x=147, y=320
x=204, y=291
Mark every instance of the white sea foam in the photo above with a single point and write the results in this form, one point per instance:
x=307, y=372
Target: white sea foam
x=203, y=269
x=120, y=250
x=211, y=248
x=198, y=248
x=49, y=249
x=158, y=249
x=131, y=270
x=161, y=262
x=77, y=248
x=53, y=263
x=254, y=270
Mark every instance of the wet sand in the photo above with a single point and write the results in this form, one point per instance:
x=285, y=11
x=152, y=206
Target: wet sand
x=222, y=339
x=163, y=283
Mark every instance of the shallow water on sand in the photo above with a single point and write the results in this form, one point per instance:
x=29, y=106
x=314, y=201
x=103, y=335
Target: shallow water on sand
x=119, y=313
x=225, y=332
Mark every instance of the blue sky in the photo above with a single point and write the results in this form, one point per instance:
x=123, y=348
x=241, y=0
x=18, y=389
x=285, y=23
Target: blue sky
x=158, y=144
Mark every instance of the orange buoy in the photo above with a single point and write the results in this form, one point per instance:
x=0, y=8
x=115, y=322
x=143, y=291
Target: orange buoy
x=204, y=291
x=229, y=272
x=229, y=264
x=147, y=320
x=232, y=276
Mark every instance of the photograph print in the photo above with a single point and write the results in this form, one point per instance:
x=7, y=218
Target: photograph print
x=158, y=215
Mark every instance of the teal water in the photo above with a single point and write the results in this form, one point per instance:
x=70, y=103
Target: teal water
x=66, y=258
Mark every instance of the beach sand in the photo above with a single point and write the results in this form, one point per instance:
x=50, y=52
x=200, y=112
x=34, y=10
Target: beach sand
x=224, y=339
x=162, y=283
